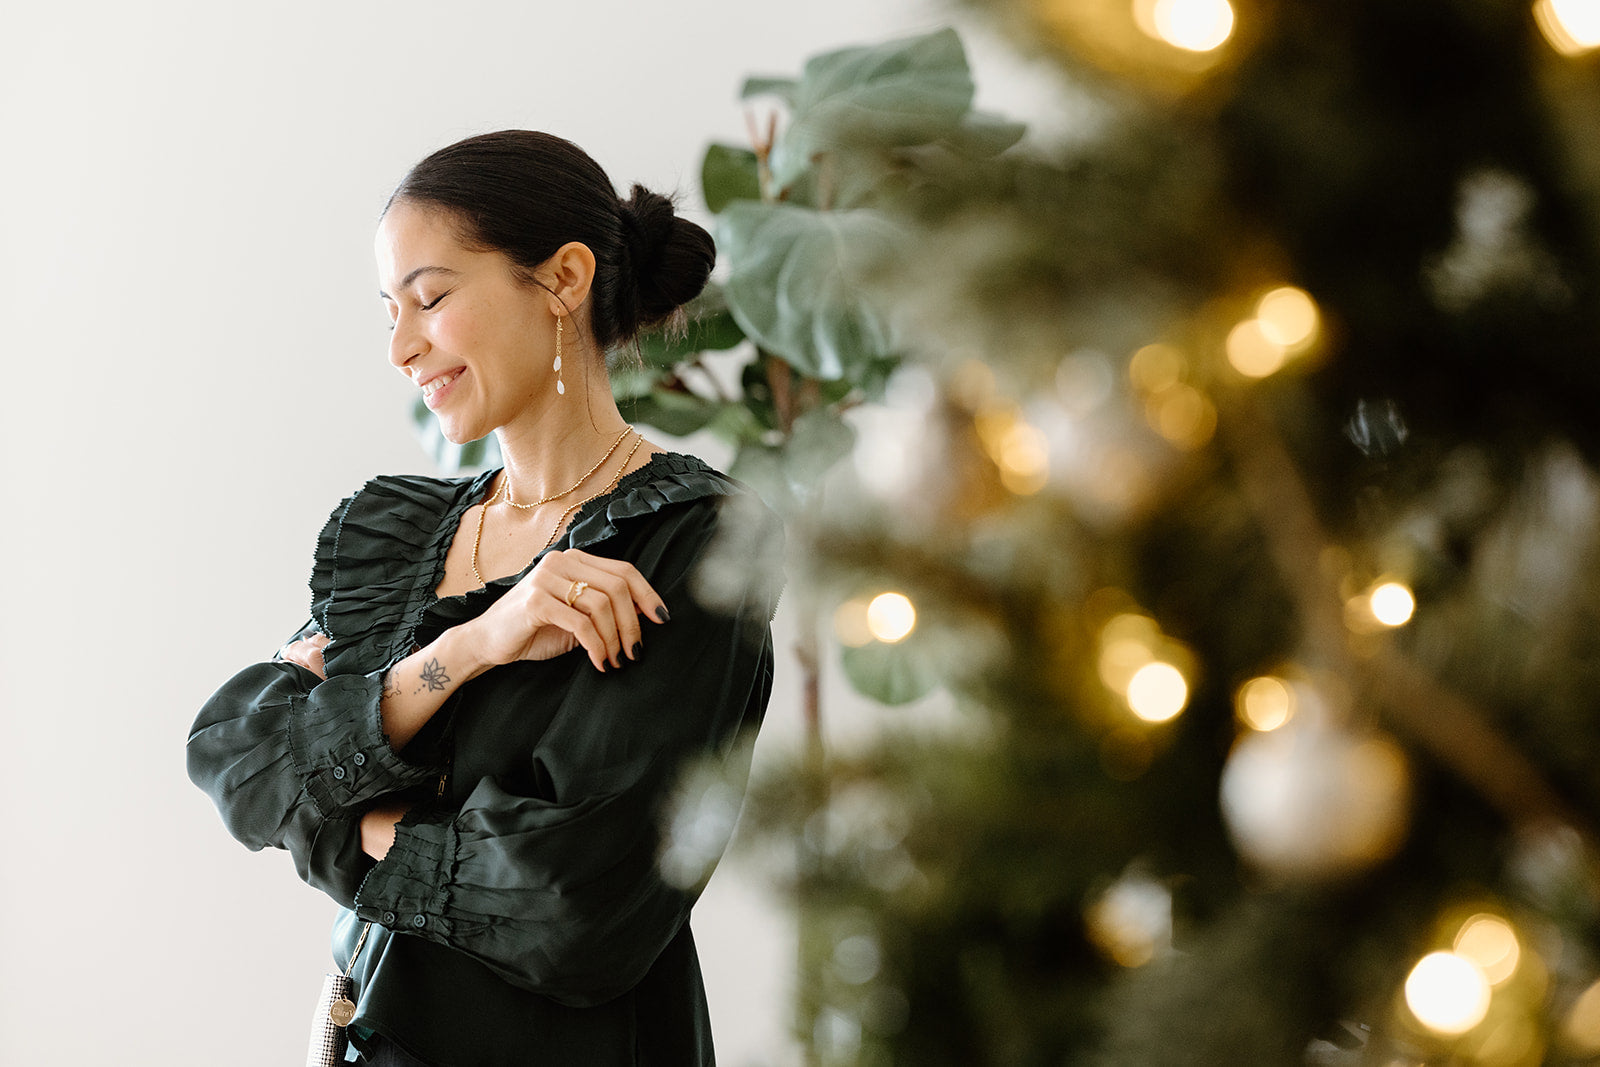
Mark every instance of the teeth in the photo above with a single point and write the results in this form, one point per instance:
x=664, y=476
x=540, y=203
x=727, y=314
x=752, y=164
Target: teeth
x=439, y=383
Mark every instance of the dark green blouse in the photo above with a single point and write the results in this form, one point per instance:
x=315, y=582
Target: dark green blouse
x=520, y=917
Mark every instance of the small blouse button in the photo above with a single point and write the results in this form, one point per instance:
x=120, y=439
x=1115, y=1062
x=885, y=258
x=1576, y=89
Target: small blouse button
x=419, y=921
x=389, y=917
x=359, y=759
x=339, y=773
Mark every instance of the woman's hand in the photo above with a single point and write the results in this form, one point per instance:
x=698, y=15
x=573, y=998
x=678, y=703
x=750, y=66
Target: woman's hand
x=377, y=829
x=571, y=598
x=307, y=652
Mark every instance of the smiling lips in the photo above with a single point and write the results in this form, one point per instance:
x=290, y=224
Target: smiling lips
x=433, y=385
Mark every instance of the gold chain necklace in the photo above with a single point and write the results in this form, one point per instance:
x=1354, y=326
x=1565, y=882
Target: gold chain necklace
x=478, y=537
x=615, y=479
x=506, y=478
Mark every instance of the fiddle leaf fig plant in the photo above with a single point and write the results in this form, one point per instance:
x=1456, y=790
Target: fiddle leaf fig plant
x=804, y=219
x=795, y=335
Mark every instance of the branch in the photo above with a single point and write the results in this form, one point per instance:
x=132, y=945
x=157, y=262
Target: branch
x=1456, y=732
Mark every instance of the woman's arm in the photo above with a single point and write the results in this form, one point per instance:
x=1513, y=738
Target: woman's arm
x=558, y=890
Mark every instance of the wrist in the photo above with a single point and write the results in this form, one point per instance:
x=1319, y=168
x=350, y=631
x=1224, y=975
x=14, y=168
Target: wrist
x=458, y=646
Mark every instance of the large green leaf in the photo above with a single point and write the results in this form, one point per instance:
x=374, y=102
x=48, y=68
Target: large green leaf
x=671, y=411
x=891, y=674
x=905, y=92
x=783, y=88
x=820, y=439
x=795, y=285
x=710, y=329
x=761, y=467
x=983, y=134
x=729, y=174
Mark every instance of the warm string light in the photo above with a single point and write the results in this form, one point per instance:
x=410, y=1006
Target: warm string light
x=1157, y=692
x=1286, y=324
x=1571, y=26
x=1265, y=703
x=1131, y=922
x=1018, y=448
x=1137, y=662
x=1386, y=605
x=1489, y=941
x=1173, y=408
x=1448, y=993
x=1190, y=25
x=888, y=618
x=891, y=617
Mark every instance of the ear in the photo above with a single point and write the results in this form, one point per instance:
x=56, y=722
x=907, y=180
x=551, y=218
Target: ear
x=569, y=274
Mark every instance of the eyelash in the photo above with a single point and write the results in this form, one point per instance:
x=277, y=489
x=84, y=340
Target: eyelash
x=428, y=306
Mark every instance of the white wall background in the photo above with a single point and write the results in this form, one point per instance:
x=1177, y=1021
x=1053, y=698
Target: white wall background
x=195, y=374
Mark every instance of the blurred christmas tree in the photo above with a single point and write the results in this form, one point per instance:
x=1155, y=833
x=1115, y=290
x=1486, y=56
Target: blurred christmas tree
x=1238, y=481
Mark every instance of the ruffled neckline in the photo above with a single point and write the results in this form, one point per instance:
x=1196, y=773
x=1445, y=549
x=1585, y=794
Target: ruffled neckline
x=381, y=555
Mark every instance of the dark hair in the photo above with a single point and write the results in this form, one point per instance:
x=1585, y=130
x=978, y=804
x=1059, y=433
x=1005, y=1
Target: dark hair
x=526, y=194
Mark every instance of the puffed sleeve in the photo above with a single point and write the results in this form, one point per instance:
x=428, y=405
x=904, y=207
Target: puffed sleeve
x=559, y=892
x=291, y=760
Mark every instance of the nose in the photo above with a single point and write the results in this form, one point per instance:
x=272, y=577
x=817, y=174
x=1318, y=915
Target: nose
x=406, y=343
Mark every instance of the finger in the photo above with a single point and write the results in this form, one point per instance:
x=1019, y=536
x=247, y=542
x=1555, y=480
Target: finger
x=624, y=616
x=595, y=602
x=581, y=626
x=645, y=599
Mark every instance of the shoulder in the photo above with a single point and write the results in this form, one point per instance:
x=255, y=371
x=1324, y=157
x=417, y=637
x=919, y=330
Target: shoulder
x=676, y=485
x=715, y=527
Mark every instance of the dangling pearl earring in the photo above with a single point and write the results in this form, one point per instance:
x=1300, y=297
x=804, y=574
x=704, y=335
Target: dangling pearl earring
x=560, y=388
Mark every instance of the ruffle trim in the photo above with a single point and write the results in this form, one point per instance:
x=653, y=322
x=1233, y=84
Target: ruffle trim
x=369, y=562
x=381, y=554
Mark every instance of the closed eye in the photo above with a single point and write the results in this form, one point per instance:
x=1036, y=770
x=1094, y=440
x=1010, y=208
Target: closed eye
x=435, y=301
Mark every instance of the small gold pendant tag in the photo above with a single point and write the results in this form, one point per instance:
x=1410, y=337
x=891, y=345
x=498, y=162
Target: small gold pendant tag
x=342, y=1011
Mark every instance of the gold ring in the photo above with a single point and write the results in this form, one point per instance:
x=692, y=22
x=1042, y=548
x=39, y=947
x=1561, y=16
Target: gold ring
x=575, y=592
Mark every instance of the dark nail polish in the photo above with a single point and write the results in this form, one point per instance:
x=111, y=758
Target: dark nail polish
x=663, y=614
x=638, y=647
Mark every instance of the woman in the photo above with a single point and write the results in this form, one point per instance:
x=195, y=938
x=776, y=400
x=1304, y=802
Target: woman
x=468, y=745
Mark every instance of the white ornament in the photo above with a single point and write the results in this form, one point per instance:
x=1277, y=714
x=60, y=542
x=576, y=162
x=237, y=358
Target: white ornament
x=1312, y=800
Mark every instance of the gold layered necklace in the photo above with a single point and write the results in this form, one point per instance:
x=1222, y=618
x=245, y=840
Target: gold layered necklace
x=505, y=478
x=505, y=489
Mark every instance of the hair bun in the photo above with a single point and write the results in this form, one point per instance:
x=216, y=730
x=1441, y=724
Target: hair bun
x=670, y=257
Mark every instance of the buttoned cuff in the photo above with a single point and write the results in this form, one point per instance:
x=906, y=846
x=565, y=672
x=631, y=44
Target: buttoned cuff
x=408, y=889
x=337, y=744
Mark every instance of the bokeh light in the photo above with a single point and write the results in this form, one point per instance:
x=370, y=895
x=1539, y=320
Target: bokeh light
x=1392, y=604
x=1582, y=1026
x=1448, y=993
x=1489, y=941
x=1126, y=644
x=1264, y=703
x=1192, y=25
x=1183, y=415
x=891, y=617
x=1157, y=692
x=1288, y=317
x=850, y=623
x=1156, y=367
x=1252, y=353
x=1571, y=26
x=1131, y=922
x=1023, y=456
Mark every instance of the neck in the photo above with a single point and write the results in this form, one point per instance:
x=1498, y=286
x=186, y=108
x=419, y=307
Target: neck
x=548, y=451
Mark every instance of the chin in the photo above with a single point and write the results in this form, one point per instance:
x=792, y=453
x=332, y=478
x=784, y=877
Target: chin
x=460, y=435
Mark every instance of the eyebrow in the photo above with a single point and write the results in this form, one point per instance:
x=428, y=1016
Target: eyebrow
x=405, y=282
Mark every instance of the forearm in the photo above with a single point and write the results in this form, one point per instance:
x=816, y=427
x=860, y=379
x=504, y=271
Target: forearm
x=418, y=686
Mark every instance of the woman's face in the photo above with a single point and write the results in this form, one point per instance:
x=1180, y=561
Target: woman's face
x=474, y=338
